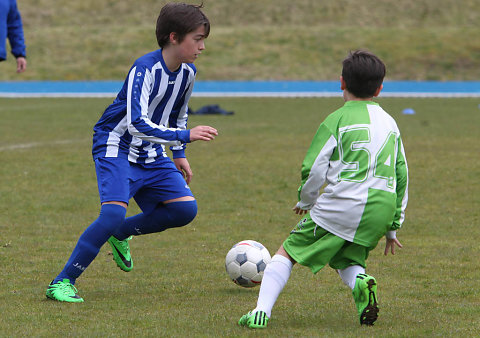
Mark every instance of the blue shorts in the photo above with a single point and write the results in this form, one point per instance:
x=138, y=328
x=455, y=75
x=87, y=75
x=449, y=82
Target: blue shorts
x=119, y=180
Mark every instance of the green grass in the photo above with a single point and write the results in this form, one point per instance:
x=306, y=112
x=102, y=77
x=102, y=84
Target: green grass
x=245, y=183
x=268, y=39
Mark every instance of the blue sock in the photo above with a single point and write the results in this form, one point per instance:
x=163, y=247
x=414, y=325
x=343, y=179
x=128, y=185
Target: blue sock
x=165, y=216
x=92, y=239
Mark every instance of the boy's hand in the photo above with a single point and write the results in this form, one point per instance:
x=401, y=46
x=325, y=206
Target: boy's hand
x=299, y=211
x=390, y=245
x=184, y=167
x=203, y=133
x=21, y=64
x=301, y=208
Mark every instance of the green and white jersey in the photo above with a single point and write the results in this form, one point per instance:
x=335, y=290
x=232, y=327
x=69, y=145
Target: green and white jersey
x=357, y=153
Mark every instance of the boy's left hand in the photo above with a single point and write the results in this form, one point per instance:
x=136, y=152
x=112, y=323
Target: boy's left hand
x=184, y=167
x=203, y=133
x=390, y=245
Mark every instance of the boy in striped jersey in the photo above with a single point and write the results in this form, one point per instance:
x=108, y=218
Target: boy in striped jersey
x=149, y=113
x=358, y=154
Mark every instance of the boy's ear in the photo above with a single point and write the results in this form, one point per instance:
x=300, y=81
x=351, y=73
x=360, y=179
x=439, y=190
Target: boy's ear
x=343, y=86
x=173, y=38
x=379, y=89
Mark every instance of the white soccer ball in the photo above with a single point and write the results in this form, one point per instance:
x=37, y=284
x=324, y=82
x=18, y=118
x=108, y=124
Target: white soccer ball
x=245, y=263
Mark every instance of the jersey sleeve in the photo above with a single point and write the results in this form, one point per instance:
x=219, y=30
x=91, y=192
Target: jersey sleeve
x=402, y=186
x=180, y=122
x=15, y=31
x=139, y=124
x=315, y=166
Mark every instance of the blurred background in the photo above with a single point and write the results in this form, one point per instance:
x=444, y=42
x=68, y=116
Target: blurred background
x=246, y=181
x=256, y=40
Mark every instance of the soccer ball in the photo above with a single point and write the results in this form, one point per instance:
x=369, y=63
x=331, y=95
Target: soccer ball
x=245, y=263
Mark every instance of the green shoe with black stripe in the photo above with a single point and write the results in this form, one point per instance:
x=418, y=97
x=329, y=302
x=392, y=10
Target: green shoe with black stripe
x=365, y=296
x=256, y=320
x=63, y=291
x=121, y=253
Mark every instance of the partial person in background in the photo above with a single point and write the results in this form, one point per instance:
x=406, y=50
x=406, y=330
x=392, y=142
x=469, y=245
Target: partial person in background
x=11, y=28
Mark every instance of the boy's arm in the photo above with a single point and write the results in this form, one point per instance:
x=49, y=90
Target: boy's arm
x=402, y=199
x=401, y=169
x=178, y=151
x=139, y=124
x=180, y=122
x=15, y=32
x=315, y=167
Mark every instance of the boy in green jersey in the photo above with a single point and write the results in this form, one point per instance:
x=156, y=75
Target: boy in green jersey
x=357, y=156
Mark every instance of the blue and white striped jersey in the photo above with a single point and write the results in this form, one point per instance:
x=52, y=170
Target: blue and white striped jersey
x=148, y=113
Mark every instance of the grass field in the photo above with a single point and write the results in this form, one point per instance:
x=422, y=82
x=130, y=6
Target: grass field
x=262, y=40
x=245, y=183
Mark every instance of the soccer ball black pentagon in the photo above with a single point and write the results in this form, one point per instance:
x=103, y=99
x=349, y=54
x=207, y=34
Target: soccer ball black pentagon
x=245, y=263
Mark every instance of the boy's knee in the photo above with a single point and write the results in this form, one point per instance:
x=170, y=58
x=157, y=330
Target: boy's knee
x=114, y=213
x=182, y=212
x=169, y=215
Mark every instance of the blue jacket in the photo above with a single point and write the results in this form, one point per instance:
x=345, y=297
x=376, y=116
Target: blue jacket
x=11, y=27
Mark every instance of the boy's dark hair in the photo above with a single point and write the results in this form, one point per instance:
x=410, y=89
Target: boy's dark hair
x=363, y=73
x=180, y=18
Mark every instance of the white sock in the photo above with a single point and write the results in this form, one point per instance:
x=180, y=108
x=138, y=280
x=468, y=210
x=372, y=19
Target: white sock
x=349, y=274
x=274, y=279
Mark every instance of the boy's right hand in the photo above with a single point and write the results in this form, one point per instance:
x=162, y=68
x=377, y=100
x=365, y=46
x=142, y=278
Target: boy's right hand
x=203, y=133
x=301, y=209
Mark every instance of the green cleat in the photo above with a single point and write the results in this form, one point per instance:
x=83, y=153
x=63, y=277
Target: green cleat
x=365, y=296
x=121, y=253
x=256, y=320
x=63, y=291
